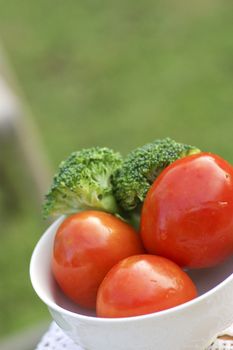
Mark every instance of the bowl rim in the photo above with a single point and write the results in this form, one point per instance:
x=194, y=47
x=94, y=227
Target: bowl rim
x=158, y=314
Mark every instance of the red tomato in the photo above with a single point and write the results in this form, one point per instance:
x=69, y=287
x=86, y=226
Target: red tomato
x=143, y=284
x=187, y=215
x=86, y=246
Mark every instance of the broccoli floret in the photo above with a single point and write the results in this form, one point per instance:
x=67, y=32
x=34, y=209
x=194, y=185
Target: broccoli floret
x=83, y=182
x=141, y=167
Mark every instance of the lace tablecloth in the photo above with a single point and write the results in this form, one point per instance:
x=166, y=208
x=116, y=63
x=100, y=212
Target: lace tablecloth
x=55, y=339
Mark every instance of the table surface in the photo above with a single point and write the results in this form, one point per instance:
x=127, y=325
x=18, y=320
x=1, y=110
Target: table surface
x=55, y=339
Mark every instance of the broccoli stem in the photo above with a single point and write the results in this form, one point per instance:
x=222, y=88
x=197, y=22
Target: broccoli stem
x=108, y=203
x=190, y=152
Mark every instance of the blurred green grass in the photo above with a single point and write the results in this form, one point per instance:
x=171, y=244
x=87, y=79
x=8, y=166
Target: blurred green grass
x=117, y=74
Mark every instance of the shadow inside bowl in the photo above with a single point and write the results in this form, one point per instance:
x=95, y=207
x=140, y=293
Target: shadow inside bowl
x=61, y=300
x=207, y=279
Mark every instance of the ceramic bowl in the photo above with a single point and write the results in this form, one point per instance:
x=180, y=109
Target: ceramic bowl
x=192, y=325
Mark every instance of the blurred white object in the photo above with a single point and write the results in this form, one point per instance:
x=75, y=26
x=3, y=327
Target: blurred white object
x=9, y=107
x=16, y=125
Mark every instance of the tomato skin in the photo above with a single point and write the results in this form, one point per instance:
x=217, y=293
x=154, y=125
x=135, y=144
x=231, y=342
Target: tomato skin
x=86, y=246
x=187, y=215
x=143, y=284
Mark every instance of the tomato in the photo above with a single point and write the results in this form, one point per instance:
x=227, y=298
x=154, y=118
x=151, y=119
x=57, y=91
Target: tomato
x=187, y=215
x=86, y=246
x=143, y=284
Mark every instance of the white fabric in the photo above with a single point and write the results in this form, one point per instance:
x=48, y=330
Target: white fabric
x=55, y=339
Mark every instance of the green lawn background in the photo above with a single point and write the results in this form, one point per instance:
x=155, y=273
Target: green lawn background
x=114, y=73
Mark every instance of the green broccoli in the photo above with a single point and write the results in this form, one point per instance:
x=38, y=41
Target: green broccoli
x=141, y=167
x=83, y=182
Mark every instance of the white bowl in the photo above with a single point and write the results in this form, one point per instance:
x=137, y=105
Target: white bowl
x=192, y=325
